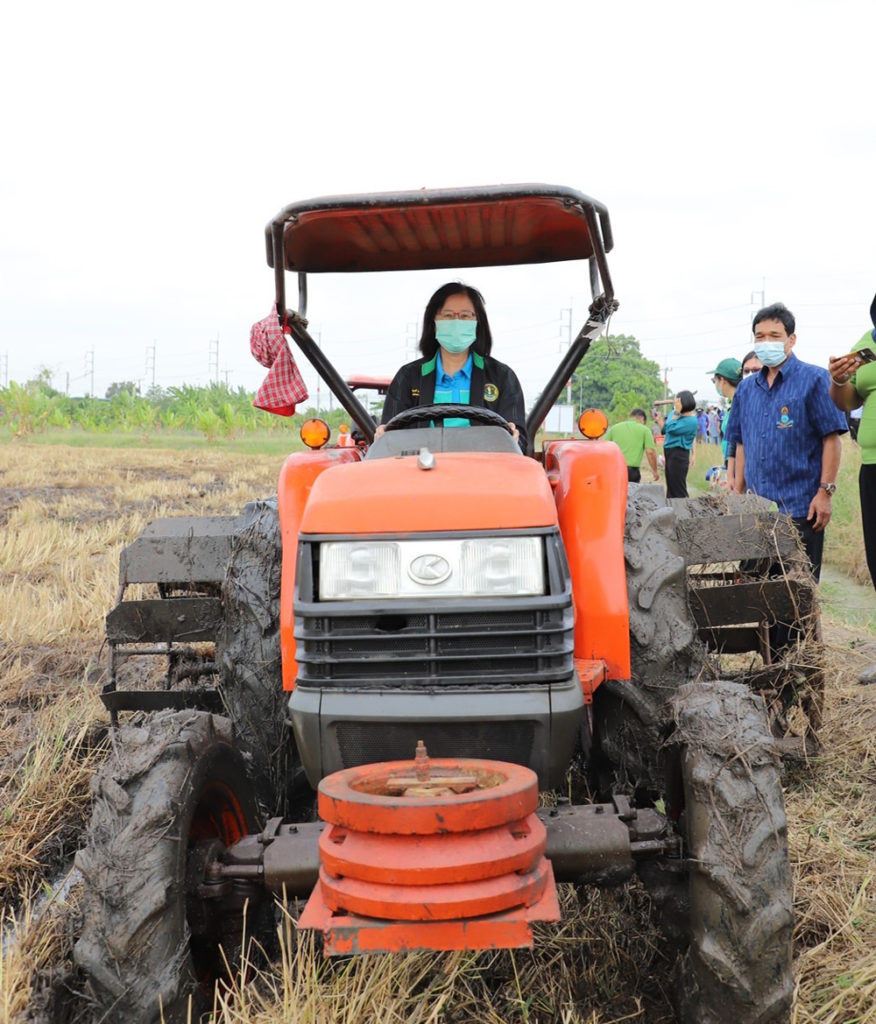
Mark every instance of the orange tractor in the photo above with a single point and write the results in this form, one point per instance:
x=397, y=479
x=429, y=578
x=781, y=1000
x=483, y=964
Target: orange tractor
x=376, y=684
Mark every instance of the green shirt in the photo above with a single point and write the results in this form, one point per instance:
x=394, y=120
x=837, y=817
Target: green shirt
x=864, y=380
x=632, y=437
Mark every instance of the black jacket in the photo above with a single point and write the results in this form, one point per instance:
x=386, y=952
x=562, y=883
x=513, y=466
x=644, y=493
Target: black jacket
x=493, y=386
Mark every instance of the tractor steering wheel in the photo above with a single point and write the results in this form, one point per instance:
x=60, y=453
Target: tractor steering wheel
x=445, y=411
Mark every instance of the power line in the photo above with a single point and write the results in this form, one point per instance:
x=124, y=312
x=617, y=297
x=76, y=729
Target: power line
x=730, y=309
x=525, y=327
x=692, y=334
x=681, y=316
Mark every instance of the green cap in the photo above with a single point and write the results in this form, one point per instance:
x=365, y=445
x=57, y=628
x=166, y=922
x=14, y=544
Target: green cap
x=729, y=369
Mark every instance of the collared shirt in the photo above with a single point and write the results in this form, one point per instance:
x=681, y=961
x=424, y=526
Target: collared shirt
x=632, y=437
x=454, y=388
x=782, y=430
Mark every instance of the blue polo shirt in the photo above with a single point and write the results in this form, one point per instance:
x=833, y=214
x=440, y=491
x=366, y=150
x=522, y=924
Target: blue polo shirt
x=782, y=429
x=453, y=389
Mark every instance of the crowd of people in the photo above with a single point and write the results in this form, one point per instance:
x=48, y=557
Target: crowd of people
x=781, y=430
x=710, y=424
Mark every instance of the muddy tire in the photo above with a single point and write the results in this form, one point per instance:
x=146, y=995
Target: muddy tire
x=172, y=782
x=737, y=966
x=633, y=718
x=251, y=668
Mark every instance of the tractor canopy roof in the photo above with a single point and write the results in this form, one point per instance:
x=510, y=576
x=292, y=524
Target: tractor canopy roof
x=433, y=229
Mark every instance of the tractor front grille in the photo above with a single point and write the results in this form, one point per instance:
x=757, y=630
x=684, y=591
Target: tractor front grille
x=518, y=646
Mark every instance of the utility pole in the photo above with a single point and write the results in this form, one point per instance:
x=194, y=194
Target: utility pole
x=758, y=298
x=213, y=365
x=410, y=341
x=150, y=362
x=227, y=374
x=4, y=368
x=568, y=326
x=666, y=371
x=89, y=369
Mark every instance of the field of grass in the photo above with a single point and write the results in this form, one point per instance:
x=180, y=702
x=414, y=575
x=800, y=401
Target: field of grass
x=67, y=511
x=277, y=442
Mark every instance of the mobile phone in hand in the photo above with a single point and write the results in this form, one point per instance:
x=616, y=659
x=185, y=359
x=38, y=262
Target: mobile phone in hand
x=865, y=354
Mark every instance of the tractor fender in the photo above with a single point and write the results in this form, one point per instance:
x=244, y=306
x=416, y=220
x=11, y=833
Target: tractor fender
x=589, y=481
x=297, y=477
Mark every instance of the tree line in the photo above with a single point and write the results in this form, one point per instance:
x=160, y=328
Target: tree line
x=216, y=410
x=613, y=376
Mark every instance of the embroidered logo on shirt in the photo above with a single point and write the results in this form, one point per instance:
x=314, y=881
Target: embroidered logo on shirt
x=415, y=392
x=491, y=392
x=785, y=419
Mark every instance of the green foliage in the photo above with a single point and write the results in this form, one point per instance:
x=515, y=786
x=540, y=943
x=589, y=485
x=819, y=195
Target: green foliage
x=119, y=387
x=614, y=376
x=43, y=382
x=208, y=422
x=26, y=408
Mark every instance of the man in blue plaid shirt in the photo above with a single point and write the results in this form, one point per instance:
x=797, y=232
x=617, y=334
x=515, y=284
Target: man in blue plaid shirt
x=787, y=431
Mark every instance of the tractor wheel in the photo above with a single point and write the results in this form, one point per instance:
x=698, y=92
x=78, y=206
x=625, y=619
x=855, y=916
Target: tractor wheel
x=251, y=681
x=631, y=719
x=149, y=944
x=737, y=966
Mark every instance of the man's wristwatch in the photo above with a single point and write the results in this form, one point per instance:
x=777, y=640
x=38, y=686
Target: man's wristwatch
x=830, y=488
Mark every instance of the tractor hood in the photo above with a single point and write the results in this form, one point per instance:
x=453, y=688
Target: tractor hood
x=463, y=491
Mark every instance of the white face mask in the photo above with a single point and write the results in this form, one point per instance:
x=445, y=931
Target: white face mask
x=770, y=353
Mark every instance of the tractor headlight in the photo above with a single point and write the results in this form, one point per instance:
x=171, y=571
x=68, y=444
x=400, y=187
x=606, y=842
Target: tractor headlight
x=469, y=567
x=502, y=565
x=358, y=570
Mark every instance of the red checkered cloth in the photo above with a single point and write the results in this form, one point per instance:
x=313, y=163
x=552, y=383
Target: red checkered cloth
x=284, y=385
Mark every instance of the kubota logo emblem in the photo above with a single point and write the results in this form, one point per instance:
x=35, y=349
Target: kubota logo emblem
x=429, y=569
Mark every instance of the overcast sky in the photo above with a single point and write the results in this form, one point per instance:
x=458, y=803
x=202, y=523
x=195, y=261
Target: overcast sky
x=146, y=146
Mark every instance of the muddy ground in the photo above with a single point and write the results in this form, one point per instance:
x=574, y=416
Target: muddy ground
x=610, y=954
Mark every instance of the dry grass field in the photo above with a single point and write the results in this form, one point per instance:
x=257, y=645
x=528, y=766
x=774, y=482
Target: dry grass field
x=65, y=514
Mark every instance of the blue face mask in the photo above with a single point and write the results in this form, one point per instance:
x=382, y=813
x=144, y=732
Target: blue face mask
x=770, y=353
x=456, y=335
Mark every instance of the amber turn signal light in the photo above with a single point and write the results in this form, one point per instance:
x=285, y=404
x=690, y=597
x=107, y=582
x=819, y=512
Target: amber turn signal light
x=593, y=423
x=315, y=433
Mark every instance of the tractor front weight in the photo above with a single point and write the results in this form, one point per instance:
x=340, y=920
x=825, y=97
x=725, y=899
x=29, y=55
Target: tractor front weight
x=431, y=854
